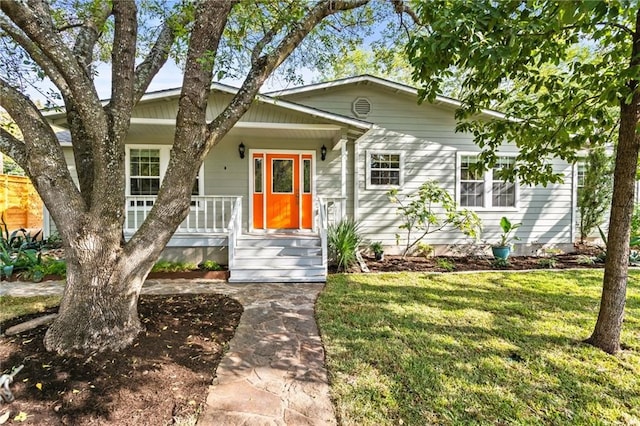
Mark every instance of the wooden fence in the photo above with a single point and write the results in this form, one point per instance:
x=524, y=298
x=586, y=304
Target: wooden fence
x=20, y=203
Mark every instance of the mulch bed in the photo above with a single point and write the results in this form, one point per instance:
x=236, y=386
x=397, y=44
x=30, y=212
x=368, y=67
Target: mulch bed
x=478, y=263
x=160, y=379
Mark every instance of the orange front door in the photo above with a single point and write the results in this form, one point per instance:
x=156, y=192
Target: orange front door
x=282, y=197
x=283, y=191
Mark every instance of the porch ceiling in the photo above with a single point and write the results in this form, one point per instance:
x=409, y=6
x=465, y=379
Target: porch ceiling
x=164, y=129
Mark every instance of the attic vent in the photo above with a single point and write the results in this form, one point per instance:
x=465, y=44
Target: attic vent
x=361, y=107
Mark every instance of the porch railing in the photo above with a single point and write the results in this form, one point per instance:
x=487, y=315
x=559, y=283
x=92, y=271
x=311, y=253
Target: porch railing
x=234, y=229
x=209, y=214
x=333, y=209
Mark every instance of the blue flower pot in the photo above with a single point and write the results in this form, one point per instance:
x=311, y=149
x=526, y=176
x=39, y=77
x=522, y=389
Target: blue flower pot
x=501, y=252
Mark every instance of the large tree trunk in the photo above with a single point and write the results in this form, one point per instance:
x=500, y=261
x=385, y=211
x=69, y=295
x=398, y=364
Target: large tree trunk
x=606, y=334
x=99, y=306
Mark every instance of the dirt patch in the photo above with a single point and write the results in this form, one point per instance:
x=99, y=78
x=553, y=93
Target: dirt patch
x=160, y=379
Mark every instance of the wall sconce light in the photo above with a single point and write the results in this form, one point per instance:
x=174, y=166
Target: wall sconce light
x=241, y=150
x=323, y=153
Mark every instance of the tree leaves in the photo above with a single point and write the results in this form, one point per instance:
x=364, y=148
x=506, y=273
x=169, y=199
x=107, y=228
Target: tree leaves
x=558, y=68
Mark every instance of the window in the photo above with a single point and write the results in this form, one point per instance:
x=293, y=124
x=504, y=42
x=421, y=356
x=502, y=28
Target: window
x=504, y=193
x=257, y=175
x=472, y=186
x=145, y=169
x=306, y=176
x=384, y=169
x=485, y=189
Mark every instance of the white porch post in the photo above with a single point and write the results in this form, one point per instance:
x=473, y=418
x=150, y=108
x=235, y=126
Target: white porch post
x=343, y=176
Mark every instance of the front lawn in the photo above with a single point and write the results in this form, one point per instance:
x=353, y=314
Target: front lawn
x=482, y=348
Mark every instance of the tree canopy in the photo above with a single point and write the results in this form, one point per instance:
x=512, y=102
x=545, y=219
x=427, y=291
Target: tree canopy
x=566, y=75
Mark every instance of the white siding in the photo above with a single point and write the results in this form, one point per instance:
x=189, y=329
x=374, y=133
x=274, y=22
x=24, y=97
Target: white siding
x=426, y=134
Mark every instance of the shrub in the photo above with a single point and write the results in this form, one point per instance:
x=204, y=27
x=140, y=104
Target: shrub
x=635, y=221
x=431, y=209
x=446, y=264
x=210, y=265
x=343, y=240
x=548, y=262
x=594, y=198
x=425, y=250
x=47, y=266
x=168, y=266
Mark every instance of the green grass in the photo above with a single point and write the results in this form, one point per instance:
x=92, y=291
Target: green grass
x=11, y=307
x=482, y=348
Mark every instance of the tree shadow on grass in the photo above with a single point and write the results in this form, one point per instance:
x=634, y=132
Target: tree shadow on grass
x=449, y=352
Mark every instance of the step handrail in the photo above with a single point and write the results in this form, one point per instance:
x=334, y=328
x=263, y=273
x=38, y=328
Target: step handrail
x=234, y=229
x=323, y=224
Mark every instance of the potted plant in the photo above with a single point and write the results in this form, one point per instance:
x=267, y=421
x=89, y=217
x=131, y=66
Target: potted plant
x=502, y=249
x=376, y=248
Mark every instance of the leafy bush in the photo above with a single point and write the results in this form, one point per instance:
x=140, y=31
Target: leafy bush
x=421, y=214
x=635, y=222
x=548, y=262
x=500, y=263
x=594, y=198
x=210, y=265
x=47, y=266
x=168, y=266
x=53, y=242
x=425, y=250
x=343, y=240
x=446, y=264
x=585, y=260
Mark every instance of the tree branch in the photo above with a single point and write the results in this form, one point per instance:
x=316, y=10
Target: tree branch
x=36, y=54
x=13, y=147
x=35, y=21
x=155, y=60
x=400, y=7
x=88, y=37
x=266, y=64
x=122, y=67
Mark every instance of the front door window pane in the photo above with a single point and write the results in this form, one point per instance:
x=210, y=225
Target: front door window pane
x=306, y=176
x=282, y=176
x=257, y=175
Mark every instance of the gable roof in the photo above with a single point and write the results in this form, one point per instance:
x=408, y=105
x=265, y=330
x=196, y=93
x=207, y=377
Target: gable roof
x=381, y=82
x=55, y=116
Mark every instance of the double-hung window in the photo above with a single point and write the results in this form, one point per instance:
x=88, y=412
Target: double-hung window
x=145, y=168
x=478, y=189
x=385, y=169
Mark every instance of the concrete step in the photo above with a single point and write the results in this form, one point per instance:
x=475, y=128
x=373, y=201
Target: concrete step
x=248, y=252
x=252, y=262
x=278, y=274
x=278, y=241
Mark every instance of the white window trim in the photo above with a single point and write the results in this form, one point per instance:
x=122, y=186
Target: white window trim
x=368, y=154
x=488, y=186
x=165, y=152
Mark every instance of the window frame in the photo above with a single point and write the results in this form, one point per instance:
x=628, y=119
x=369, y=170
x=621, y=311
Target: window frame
x=401, y=169
x=165, y=152
x=488, y=185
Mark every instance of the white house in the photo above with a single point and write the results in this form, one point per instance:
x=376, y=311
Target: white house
x=305, y=157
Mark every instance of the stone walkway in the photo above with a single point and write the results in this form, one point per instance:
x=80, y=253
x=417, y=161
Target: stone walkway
x=273, y=372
